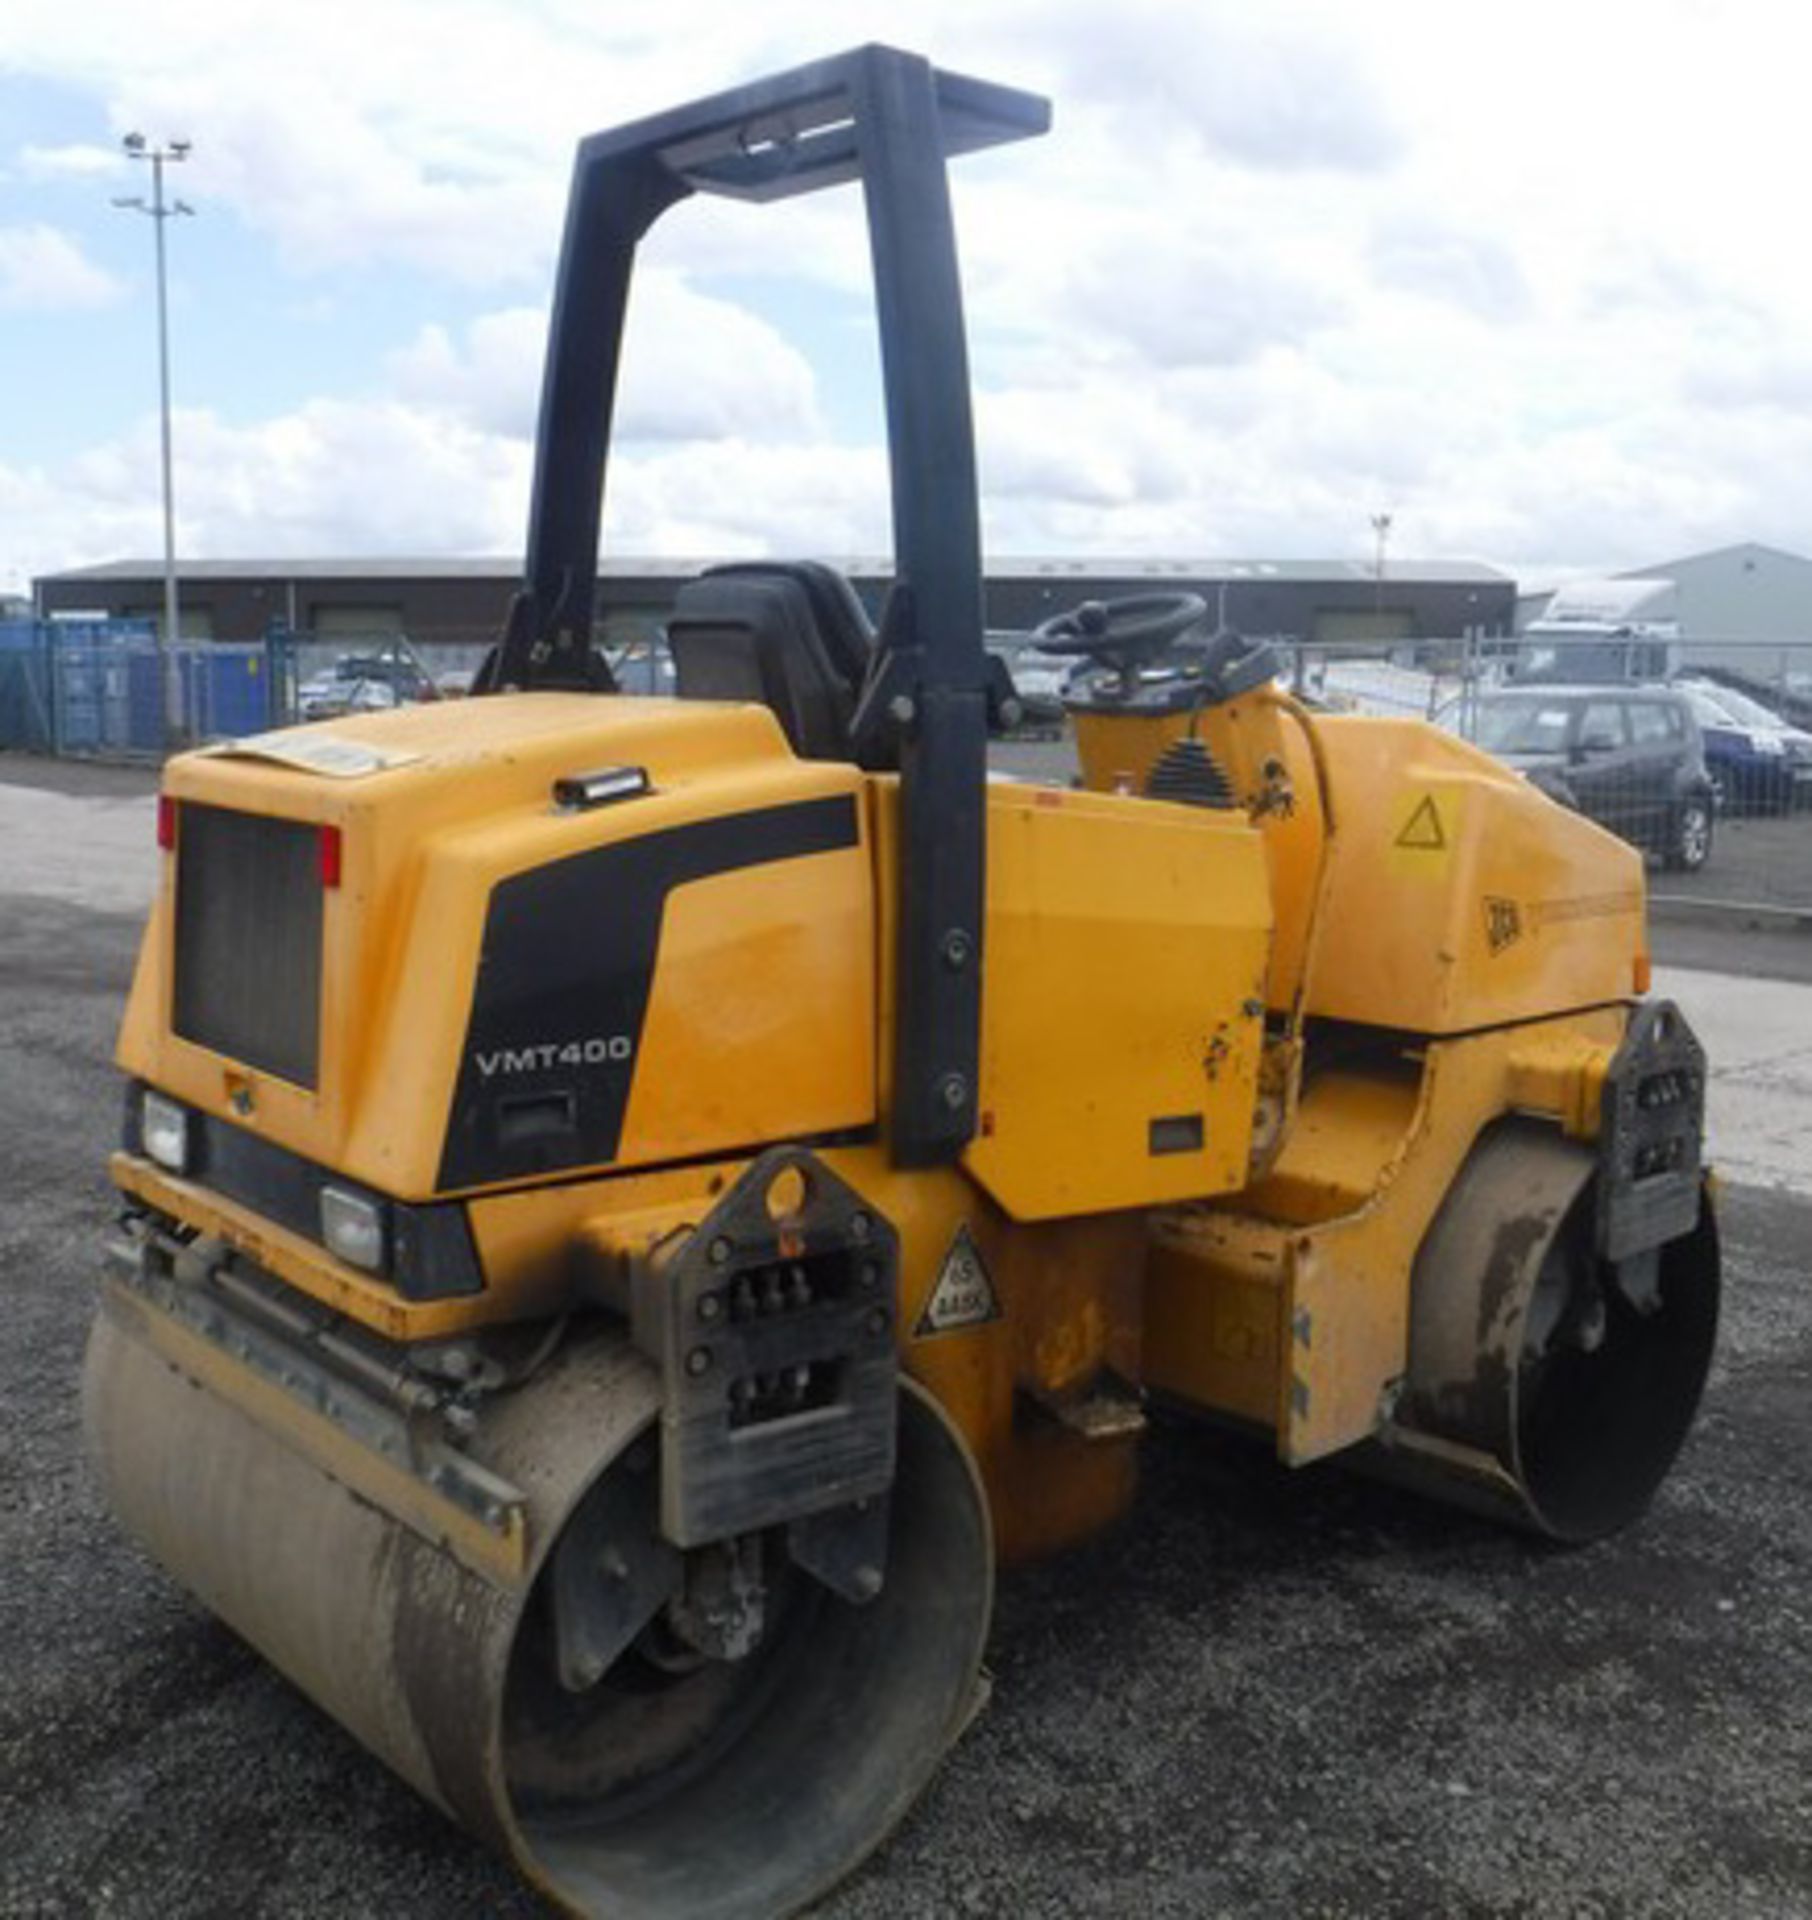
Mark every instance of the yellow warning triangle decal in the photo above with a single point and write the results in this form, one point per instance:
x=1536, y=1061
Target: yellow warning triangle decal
x=1424, y=831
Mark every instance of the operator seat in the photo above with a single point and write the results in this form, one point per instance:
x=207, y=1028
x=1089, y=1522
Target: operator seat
x=789, y=634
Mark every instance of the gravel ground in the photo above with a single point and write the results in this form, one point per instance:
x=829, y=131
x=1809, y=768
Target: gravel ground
x=1264, y=1694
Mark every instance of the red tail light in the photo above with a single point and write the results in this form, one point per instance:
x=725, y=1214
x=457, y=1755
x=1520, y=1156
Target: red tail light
x=330, y=856
x=166, y=822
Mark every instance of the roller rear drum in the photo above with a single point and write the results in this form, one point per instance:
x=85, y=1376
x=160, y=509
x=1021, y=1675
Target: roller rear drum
x=1547, y=1383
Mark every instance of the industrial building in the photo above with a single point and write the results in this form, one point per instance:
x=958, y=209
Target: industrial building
x=1745, y=592
x=461, y=602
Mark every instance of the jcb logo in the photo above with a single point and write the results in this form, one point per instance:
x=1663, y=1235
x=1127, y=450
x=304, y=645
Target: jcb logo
x=1503, y=923
x=600, y=1050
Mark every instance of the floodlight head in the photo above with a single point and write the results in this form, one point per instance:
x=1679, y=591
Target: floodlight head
x=179, y=149
x=133, y=201
x=181, y=206
x=134, y=143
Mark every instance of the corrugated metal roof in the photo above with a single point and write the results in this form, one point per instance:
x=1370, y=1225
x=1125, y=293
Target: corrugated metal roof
x=1741, y=549
x=373, y=567
x=1428, y=572
x=506, y=567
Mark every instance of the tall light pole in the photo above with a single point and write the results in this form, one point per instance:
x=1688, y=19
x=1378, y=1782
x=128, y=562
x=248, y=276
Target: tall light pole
x=1381, y=529
x=160, y=210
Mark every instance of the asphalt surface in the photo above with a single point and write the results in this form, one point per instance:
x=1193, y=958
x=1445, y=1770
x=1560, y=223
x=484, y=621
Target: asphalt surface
x=1263, y=1694
x=1760, y=860
x=102, y=779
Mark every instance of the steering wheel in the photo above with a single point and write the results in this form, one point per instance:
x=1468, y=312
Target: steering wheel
x=1121, y=633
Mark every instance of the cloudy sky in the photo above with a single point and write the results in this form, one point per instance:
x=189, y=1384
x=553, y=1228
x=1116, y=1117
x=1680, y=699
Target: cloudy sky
x=1535, y=279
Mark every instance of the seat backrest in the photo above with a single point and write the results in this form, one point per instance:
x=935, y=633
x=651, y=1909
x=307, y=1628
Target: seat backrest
x=843, y=623
x=753, y=633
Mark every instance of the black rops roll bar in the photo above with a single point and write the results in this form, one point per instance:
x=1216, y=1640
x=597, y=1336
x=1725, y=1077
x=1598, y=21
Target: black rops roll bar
x=890, y=120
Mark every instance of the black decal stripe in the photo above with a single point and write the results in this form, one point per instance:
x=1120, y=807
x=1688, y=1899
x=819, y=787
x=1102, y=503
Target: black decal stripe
x=432, y=1255
x=568, y=955
x=734, y=1158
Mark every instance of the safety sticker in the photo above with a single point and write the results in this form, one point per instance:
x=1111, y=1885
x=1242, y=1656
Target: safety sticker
x=964, y=1295
x=315, y=752
x=1423, y=832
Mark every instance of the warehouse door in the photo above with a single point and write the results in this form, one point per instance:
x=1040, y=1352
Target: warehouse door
x=1363, y=626
x=192, y=622
x=357, y=623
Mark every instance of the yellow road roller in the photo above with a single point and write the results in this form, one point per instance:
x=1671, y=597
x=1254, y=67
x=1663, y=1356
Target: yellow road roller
x=634, y=1207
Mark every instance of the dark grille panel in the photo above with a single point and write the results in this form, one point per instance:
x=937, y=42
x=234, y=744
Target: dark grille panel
x=248, y=939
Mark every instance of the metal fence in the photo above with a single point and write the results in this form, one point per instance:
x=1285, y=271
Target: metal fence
x=27, y=716
x=101, y=689
x=362, y=673
x=1699, y=752
x=80, y=687
x=1707, y=764
x=92, y=688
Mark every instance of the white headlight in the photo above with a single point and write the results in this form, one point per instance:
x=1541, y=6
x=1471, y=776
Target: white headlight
x=352, y=1228
x=1767, y=743
x=164, y=1129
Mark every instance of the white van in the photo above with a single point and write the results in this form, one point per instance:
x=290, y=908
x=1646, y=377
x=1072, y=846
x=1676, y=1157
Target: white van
x=1603, y=632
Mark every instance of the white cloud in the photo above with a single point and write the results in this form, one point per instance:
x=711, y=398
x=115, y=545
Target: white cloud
x=695, y=368
x=738, y=498
x=491, y=378
x=45, y=271
x=1275, y=269
x=76, y=161
x=1089, y=446
x=334, y=186
x=1471, y=269
x=1189, y=301
x=335, y=478
x=700, y=368
x=1284, y=89
x=1776, y=378
x=331, y=477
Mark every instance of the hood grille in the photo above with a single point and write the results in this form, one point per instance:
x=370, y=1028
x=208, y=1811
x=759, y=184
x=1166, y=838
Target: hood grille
x=248, y=939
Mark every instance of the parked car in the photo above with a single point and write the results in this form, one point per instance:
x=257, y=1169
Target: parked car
x=388, y=676
x=1628, y=757
x=327, y=696
x=1759, y=763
